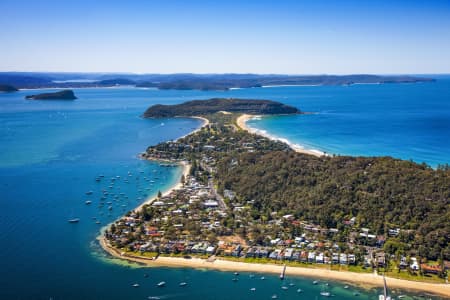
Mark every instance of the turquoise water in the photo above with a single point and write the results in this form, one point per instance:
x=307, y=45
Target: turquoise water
x=50, y=154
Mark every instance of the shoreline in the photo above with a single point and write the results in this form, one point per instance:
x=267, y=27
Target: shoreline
x=184, y=164
x=242, y=120
x=364, y=280
x=150, y=200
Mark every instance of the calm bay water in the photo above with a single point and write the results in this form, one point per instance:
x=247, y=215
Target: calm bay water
x=51, y=152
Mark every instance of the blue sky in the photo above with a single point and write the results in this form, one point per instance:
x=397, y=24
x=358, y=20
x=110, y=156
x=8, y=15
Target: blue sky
x=291, y=37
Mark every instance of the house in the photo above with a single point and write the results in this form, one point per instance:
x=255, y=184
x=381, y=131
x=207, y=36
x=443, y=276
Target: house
x=319, y=258
x=335, y=258
x=343, y=259
x=352, y=259
x=311, y=256
x=414, y=265
x=380, y=259
x=237, y=251
x=430, y=269
x=274, y=254
x=304, y=256
x=288, y=253
x=210, y=250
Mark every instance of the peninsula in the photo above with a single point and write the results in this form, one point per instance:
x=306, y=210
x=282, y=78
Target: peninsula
x=7, y=88
x=246, y=202
x=62, y=95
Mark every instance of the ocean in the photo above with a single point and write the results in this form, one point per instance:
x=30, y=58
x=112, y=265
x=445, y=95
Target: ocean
x=51, y=153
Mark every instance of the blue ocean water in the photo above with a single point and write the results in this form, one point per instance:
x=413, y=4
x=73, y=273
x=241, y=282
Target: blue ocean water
x=407, y=121
x=50, y=154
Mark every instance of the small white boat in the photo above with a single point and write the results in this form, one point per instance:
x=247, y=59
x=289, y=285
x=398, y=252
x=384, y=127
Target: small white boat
x=75, y=220
x=299, y=290
x=315, y=282
x=183, y=283
x=325, y=294
x=263, y=278
x=253, y=289
x=274, y=297
x=284, y=287
x=88, y=202
x=136, y=285
x=236, y=273
x=161, y=284
x=346, y=287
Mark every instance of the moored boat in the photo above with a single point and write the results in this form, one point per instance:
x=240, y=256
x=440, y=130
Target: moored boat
x=161, y=284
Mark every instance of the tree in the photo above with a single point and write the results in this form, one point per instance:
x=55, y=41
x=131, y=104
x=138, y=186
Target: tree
x=159, y=194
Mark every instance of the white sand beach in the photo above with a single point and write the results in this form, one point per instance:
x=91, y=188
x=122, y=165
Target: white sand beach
x=241, y=122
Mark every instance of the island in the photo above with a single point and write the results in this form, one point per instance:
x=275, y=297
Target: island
x=62, y=95
x=7, y=88
x=202, y=107
x=249, y=203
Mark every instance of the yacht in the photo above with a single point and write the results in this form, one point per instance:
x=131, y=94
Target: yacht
x=75, y=220
x=183, y=284
x=161, y=284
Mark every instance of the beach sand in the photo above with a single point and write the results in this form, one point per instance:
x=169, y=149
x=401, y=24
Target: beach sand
x=241, y=122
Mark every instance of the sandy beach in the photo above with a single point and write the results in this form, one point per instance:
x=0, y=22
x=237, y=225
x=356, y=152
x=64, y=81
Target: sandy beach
x=361, y=279
x=241, y=122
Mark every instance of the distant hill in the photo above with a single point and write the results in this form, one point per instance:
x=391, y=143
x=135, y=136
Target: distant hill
x=7, y=88
x=190, y=81
x=62, y=95
x=203, y=107
x=116, y=81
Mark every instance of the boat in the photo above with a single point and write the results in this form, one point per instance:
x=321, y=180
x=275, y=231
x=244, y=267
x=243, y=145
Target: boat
x=263, y=278
x=315, y=282
x=299, y=290
x=161, y=284
x=136, y=285
x=283, y=272
x=274, y=297
x=346, y=287
x=153, y=298
x=236, y=273
x=284, y=287
x=183, y=284
x=253, y=289
x=89, y=192
x=98, y=222
x=88, y=202
x=324, y=292
x=235, y=279
x=75, y=220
